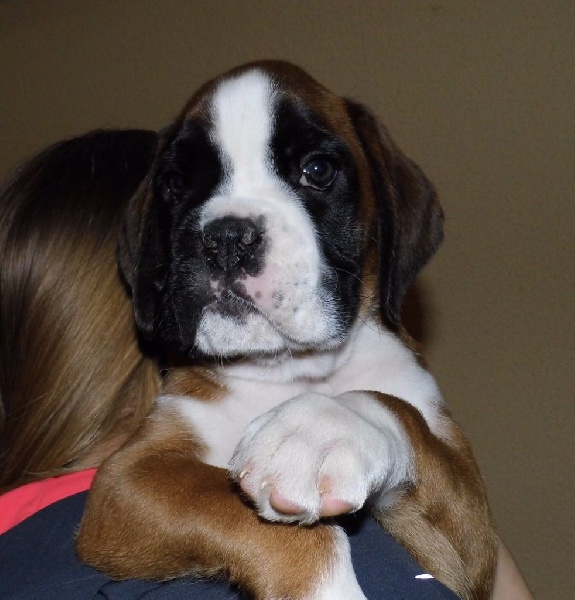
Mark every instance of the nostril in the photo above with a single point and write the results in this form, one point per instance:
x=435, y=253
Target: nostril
x=248, y=237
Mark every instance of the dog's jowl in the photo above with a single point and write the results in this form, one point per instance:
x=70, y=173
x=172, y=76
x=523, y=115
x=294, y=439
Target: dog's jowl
x=270, y=249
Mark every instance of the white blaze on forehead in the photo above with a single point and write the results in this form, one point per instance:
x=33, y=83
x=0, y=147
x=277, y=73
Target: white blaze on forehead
x=294, y=309
x=242, y=110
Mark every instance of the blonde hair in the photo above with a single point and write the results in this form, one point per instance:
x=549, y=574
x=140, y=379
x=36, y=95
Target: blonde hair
x=72, y=375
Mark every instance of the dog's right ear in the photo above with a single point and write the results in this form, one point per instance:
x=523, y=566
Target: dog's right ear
x=410, y=216
x=142, y=254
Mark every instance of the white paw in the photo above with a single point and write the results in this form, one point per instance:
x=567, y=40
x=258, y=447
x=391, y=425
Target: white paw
x=316, y=456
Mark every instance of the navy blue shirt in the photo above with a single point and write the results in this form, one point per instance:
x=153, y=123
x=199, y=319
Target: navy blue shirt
x=37, y=561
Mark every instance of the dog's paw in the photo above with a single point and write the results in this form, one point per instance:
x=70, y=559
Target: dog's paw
x=316, y=456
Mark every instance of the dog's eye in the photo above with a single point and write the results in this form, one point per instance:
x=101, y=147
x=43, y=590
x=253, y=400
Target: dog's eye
x=318, y=174
x=172, y=184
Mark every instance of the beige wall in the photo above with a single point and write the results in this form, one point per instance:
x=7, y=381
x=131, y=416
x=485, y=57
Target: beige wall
x=481, y=94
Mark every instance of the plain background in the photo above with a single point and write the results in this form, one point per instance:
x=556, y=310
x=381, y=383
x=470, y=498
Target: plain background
x=481, y=94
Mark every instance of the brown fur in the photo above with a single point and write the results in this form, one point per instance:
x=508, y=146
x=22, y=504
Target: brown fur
x=195, y=520
x=444, y=519
x=197, y=382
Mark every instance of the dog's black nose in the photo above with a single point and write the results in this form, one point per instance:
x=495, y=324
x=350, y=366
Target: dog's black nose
x=231, y=242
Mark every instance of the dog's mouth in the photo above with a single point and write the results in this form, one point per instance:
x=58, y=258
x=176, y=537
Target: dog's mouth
x=282, y=308
x=233, y=325
x=232, y=301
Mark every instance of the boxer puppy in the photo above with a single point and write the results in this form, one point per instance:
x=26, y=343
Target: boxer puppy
x=272, y=244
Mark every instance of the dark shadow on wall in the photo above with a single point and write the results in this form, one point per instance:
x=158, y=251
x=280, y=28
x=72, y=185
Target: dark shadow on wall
x=418, y=313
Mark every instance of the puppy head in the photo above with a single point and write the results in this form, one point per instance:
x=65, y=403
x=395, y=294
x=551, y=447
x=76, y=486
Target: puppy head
x=272, y=211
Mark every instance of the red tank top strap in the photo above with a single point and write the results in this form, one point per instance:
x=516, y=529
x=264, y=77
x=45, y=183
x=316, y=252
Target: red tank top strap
x=22, y=502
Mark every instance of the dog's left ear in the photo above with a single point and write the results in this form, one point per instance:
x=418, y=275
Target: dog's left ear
x=410, y=216
x=142, y=255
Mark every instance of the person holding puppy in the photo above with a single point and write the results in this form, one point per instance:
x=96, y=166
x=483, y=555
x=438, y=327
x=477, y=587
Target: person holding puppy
x=74, y=384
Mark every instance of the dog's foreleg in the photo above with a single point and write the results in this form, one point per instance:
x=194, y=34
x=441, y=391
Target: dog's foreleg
x=444, y=520
x=156, y=512
x=314, y=452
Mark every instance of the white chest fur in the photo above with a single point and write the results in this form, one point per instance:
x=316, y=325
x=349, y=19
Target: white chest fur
x=371, y=360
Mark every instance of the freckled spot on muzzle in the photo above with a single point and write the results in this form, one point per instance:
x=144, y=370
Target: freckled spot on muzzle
x=278, y=298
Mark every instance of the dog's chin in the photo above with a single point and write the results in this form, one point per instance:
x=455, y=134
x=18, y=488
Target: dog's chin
x=251, y=333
